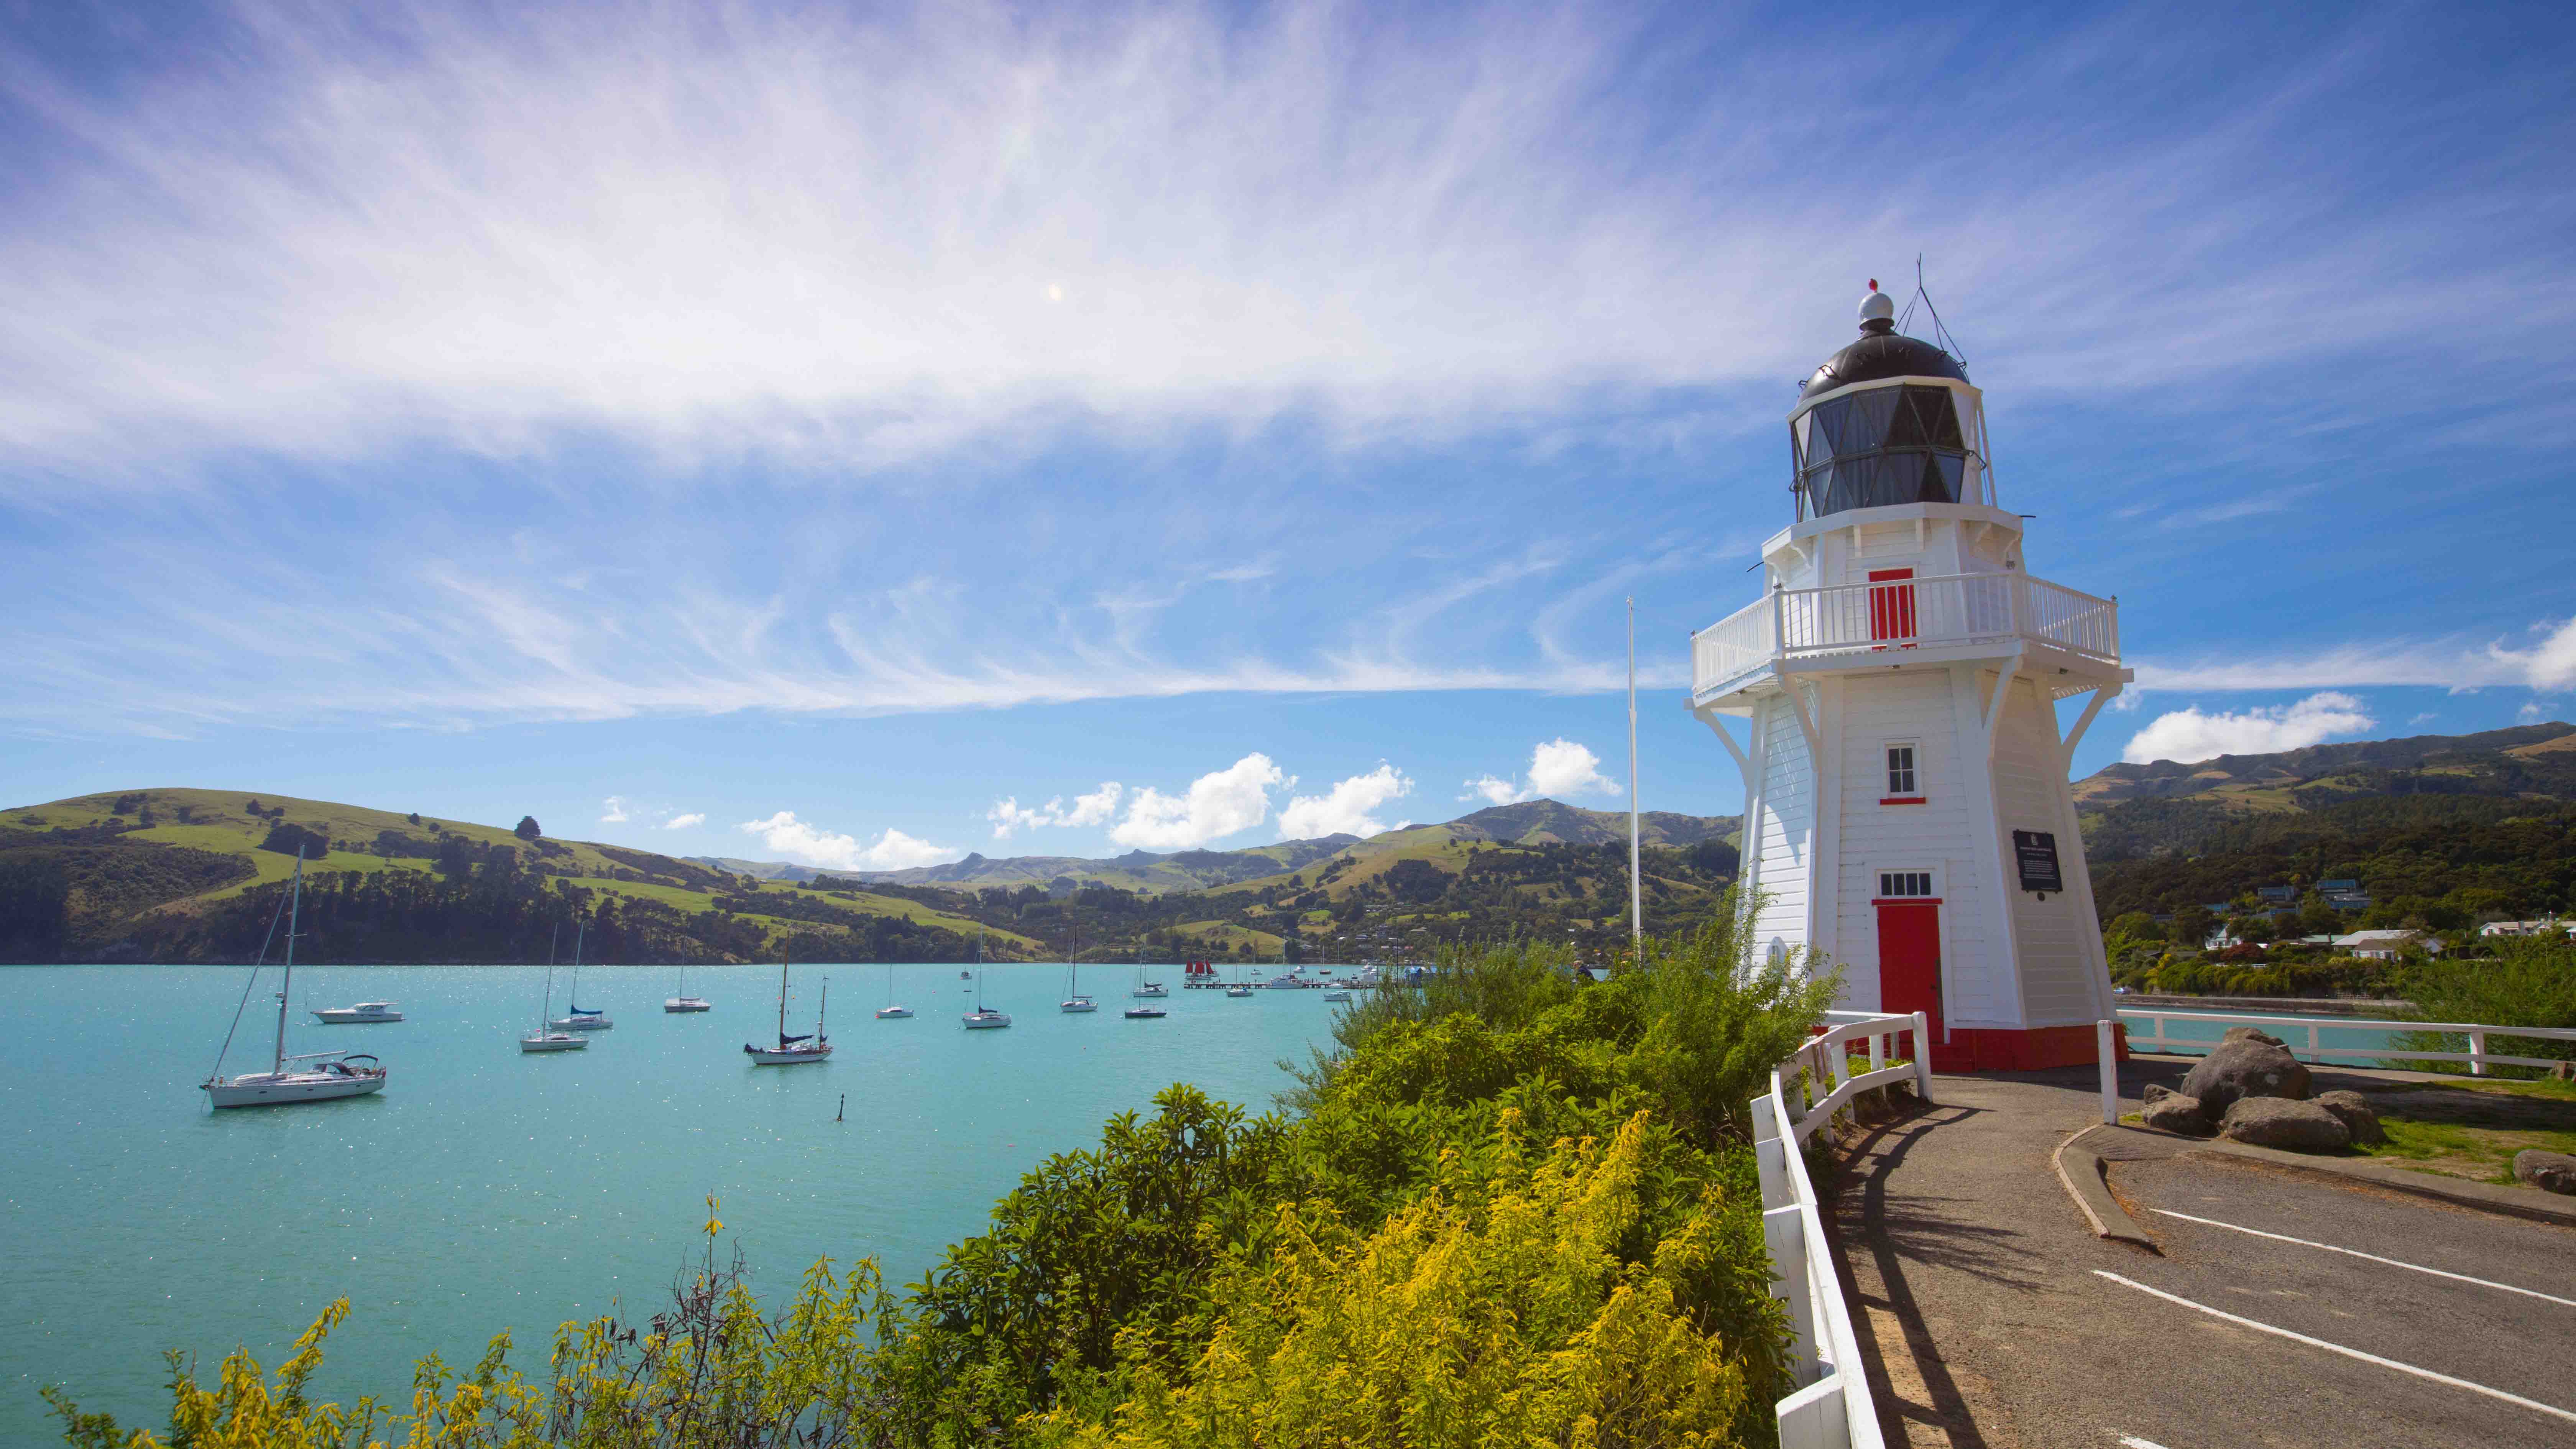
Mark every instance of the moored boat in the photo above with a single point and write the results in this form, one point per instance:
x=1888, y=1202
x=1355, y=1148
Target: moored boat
x=363, y=1014
x=794, y=1050
x=331, y=1075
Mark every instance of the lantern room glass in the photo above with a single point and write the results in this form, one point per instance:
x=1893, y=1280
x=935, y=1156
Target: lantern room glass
x=1904, y=443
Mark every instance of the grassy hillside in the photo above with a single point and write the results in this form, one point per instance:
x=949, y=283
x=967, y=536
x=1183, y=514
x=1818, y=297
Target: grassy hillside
x=156, y=871
x=188, y=874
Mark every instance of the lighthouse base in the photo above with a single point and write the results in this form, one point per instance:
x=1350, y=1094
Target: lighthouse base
x=2032, y=1049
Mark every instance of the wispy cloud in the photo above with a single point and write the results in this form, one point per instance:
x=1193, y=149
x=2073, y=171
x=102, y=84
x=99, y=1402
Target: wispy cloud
x=2547, y=663
x=807, y=844
x=1349, y=808
x=1009, y=816
x=690, y=821
x=2188, y=735
x=873, y=235
x=1558, y=767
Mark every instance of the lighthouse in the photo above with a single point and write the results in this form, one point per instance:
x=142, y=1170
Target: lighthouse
x=1897, y=688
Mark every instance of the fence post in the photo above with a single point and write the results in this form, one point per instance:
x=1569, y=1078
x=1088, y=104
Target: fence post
x=1785, y=1235
x=2110, y=1060
x=1923, y=1057
x=2477, y=1054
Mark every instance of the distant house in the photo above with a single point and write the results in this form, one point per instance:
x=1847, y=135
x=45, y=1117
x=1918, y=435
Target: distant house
x=2521, y=928
x=2384, y=945
x=2347, y=900
x=2329, y=887
x=2277, y=895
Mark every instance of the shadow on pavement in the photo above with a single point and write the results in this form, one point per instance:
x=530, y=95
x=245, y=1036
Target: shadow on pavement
x=1909, y=1379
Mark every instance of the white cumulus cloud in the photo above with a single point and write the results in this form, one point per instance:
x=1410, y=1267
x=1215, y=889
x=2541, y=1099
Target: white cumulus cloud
x=803, y=843
x=2186, y=735
x=1557, y=767
x=1344, y=810
x=1216, y=805
x=684, y=822
x=1009, y=815
x=612, y=811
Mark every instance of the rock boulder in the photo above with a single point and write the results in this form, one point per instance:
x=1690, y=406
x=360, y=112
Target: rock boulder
x=2356, y=1114
x=2548, y=1171
x=2245, y=1068
x=2250, y=1033
x=2293, y=1126
x=2173, y=1112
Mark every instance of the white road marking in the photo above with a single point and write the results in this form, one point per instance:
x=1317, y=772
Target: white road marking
x=2373, y=1257
x=2132, y=1441
x=2390, y=1363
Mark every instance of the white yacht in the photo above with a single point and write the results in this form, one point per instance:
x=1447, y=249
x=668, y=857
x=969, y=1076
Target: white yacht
x=684, y=1002
x=1075, y=1003
x=332, y=1074
x=544, y=1039
x=1145, y=1013
x=1146, y=987
x=890, y=1011
x=362, y=1014
x=793, y=1050
x=581, y=1019
x=984, y=1018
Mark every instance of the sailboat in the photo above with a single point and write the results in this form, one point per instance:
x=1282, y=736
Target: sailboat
x=1146, y=987
x=684, y=1001
x=1237, y=988
x=333, y=1074
x=1074, y=1001
x=890, y=1011
x=581, y=1019
x=542, y=1039
x=983, y=1018
x=793, y=1049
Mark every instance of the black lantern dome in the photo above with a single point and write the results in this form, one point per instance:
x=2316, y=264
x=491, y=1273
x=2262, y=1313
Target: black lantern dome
x=1902, y=443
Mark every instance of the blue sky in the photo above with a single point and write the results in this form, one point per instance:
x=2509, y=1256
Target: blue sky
x=831, y=422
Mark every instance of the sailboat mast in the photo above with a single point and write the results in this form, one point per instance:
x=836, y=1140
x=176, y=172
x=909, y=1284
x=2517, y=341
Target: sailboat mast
x=822, y=1007
x=782, y=997
x=1636, y=879
x=294, y=913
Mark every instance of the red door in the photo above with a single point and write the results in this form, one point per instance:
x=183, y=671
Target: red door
x=1891, y=606
x=1909, y=959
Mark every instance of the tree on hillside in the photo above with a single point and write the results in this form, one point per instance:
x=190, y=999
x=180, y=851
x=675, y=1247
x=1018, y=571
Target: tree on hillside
x=2192, y=925
x=414, y=817
x=526, y=829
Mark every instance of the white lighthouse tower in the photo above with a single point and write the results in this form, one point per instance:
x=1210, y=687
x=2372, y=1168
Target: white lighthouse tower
x=1907, y=813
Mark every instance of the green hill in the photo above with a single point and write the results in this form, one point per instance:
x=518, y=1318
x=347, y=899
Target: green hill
x=184, y=874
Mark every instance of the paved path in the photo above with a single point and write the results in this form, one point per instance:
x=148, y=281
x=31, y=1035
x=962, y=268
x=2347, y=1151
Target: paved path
x=1989, y=1319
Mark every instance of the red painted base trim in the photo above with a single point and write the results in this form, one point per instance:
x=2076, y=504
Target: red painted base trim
x=1903, y=800
x=1905, y=900
x=1986, y=1049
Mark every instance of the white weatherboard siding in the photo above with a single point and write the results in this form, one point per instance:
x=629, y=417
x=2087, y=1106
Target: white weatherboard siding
x=1910, y=705
x=2055, y=961
x=1783, y=839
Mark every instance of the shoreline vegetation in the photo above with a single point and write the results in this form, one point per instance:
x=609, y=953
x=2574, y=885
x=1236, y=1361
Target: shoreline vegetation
x=1506, y=1206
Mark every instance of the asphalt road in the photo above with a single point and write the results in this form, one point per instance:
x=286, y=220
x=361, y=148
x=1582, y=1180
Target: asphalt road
x=1990, y=1322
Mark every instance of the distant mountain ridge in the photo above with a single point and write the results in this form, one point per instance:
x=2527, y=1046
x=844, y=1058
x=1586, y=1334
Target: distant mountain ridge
x=1529, y=822
x=2169, y=779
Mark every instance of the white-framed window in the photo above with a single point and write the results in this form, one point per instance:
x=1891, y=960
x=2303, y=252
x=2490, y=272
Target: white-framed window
x=1904, y=884
x=1903, y=780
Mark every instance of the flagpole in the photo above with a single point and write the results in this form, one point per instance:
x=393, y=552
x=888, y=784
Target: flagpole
x=1636, y=889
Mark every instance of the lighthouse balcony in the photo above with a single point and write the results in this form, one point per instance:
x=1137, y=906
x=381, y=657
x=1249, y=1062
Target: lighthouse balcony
x=1922, y=621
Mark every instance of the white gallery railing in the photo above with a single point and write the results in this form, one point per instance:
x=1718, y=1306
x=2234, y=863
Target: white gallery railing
x=1831, y=1406
x=1903, y=614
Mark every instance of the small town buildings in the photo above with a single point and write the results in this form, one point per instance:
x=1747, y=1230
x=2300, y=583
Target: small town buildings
x=2384, y=945
x=2522, y=928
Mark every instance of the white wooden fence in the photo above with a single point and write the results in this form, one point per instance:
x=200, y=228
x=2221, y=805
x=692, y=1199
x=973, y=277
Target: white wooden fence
x=1831, y=1407
x=2477, y=1056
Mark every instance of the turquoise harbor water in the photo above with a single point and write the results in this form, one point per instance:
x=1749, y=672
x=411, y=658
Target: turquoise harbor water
x=484, y=1189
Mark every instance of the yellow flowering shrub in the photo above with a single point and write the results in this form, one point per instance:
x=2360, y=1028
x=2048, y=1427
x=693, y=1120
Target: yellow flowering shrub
x=1514, y=1321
